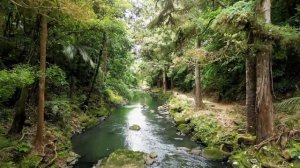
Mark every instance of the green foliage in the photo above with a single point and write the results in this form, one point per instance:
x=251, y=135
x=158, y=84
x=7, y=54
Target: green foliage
x=289, y=105
x=24, y=147
x=4, y=142
x=8, y=165
x=58, y=111
x=56, y=76
x=30, y=161
x=113, y=97
x=294, y=149
x=19, y=77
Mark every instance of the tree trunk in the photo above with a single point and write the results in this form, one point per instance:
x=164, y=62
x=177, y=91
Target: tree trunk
x=172, y=84
x=72, y=86
x=251, y=89
x=198, y=96
x=164, y=80
x=104, y=57
x=20, y=115
x=85, y=104
x=264, y=103
x=42, y=81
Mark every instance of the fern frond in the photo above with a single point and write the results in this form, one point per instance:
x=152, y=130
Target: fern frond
x=289, y=105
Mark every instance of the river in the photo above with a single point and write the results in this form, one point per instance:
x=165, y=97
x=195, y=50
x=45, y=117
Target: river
x=157, y=134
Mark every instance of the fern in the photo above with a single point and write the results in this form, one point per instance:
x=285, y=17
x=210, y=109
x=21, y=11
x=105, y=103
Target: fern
x=289, y=105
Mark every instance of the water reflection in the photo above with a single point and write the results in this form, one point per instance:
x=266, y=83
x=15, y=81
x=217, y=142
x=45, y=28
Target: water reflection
x=157, y=134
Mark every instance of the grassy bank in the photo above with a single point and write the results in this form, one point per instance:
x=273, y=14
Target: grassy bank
x=222, y=128
x=63, y=119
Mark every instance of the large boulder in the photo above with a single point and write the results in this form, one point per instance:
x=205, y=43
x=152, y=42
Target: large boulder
x=123, y=158
x=213, y=154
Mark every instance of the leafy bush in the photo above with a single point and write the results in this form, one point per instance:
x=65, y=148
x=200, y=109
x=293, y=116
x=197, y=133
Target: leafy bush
x=24, y=147
x=56, y=76
x=113, y=97
x=58, y=111
x=10, y=80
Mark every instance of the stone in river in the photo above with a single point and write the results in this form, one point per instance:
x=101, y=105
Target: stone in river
x=135, y=127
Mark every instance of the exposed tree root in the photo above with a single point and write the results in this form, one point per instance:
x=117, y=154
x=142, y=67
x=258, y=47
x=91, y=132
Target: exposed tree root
x=283, y=135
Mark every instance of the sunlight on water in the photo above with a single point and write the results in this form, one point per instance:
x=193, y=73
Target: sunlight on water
x=135, y=139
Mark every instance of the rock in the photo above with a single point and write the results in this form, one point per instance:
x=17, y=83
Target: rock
x=124, y=158
x=236, y=122
x=178, y=139
x=195, y=152
x=153, y=155
x=235, y=164
x=253, y=161
x=72, y=159
x=184, y=128
x=183, y=149
x=181, y=119
x=135, y=127
x=241, y=131
x=246, y=139
x=286, y=154
x=213, y=154
x=151, y=111
x=149, y=161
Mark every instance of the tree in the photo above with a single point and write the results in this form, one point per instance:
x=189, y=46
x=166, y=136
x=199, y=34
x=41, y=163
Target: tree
x=42, y=81
x=251, y=88
x=264, y=103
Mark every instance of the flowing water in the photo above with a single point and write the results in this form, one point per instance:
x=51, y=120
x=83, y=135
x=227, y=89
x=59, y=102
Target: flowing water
x=157, y=134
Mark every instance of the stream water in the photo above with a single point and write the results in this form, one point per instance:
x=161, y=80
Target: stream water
x=157, y=134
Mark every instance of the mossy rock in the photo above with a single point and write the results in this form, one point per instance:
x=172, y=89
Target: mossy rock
x=135, y=127
x=184, y=128
x=246, y=139
x=212, y=153
x=124, y=158
x=180, y=118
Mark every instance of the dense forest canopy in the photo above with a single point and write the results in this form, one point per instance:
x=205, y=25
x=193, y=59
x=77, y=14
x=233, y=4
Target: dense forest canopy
x=78, y=59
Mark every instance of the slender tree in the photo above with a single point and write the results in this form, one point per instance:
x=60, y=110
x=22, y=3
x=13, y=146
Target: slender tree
x=42, y=82
x=251, y=87
x=198, y=95
x=164, y=80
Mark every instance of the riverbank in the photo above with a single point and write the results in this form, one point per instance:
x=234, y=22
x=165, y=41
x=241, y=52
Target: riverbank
x=222, y=128
x=64, y=118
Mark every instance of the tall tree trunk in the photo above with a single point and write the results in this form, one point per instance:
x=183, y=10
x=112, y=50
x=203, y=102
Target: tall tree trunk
x=172, y=84
x=85, y=104
x=104, y=57
x=42, y=81
x=198, y=96
x=164, y=80
x=20, y=116
x=251, y=88
x=72, y=86
x=264, y=103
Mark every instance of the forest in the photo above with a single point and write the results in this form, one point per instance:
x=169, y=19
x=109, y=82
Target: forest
x=150, y=83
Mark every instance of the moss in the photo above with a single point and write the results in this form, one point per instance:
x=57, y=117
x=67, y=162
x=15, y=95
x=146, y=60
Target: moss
x=8, y=165
x=113, y=97
x=184, y=128
x=135, y=127
x=207, y=131
x=213, y=153
x=30, y=160
x=124, y=158
x=4, y=142
x=181, y=118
